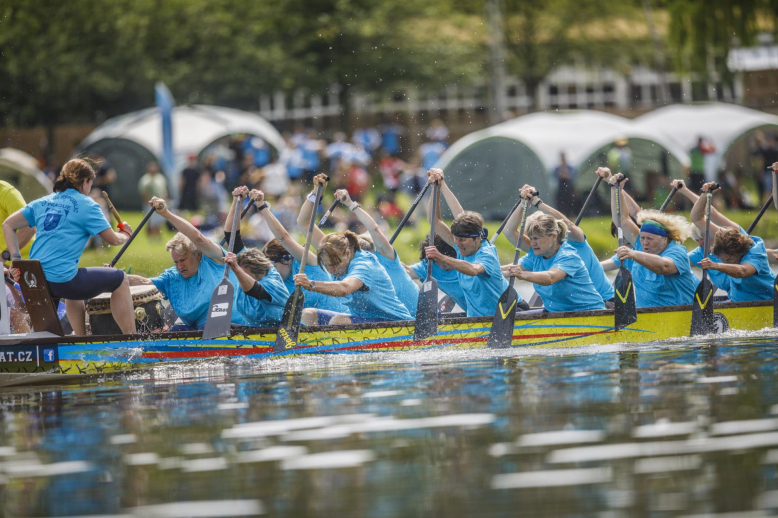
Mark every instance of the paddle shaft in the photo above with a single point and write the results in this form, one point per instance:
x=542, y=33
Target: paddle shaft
x=306, y=247
x=324, y=218
x=667, y=201
x=759, y=216
x=132, y=237
x=505, y=221
x=618, y=216
x=433, y=222
x=408, y=214
x=234, y=226
x=588, y=200
x=706, y=241
x=517, y=254
x=235, y=220
x=119, y=223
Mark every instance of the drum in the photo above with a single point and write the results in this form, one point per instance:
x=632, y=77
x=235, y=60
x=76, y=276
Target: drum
x=149, y=310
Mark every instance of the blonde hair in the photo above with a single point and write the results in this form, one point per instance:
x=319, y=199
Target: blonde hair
x=678, y=228
x=697, y=234
x=543, y=225
x=366, y=243
x=255, y=262
x=183, y=245
x=334, y=248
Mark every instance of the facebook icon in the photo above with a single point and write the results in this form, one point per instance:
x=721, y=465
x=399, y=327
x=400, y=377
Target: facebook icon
x=48, y=355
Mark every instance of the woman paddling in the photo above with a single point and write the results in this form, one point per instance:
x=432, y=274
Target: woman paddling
x=477, y=264
x=359, y=279
x=66, y=219
x=446, y=277
x=658, y=262
x=738, y=263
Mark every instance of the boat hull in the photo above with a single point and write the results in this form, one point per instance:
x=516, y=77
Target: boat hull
x=43, y=359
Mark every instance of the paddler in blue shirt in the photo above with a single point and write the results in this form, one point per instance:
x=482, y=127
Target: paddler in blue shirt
x=477, y=263
x=447, y=278
x=658, y=262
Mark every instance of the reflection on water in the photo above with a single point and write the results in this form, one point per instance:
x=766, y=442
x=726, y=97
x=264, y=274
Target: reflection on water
x=669, y=429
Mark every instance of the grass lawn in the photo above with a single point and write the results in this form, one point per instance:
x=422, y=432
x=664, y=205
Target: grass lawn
x=149, y=258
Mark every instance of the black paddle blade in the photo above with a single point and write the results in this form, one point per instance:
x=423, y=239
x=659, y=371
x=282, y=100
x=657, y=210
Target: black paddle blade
x=775, y=303
x=501, y=335
x=286, y=338
x=625, y=311
x=702, y=310
x=427, y=311
x=218, y=322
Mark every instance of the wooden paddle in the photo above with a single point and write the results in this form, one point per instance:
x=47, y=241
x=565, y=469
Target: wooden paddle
x=667, y=200
x=625, y=310
x=217, y=323
x=501, y=335
x=132, y=237
x=112, y=209
x=326, y=216
x=235, y=228
x=759, y=216
x=702, y=309
x=502, y=225
x=408, y=214
x=286, y=338
x=427, y=306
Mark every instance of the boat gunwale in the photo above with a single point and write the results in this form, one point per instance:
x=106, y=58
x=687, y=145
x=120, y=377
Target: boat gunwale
x=246, y=331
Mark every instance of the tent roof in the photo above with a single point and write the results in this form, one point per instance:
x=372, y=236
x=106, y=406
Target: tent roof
x=577, y=133
x=719, y=123
x=21, y=170
x=194, y=127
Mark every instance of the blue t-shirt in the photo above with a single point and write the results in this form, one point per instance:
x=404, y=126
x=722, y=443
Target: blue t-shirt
x=654, y=290
x=575, y=292
x=191, y=297
x=261, y=312
x=312, y=298
x=484, y=290
x=376, y=299
x=407, y=290
x=593, y=266
x=758, y=286
x=448, y=281
x=65, y=221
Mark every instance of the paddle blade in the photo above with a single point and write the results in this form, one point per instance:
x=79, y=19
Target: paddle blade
x=626, y=312
x=501, y=335
x=220, y=311
x=775, y=303
x=286, y=338
x=702, y=310
x=427, y=311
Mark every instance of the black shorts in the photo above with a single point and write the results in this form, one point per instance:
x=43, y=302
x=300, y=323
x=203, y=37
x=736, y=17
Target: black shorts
x=88, y=283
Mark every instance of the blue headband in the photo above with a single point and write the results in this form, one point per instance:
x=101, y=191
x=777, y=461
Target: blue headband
x=652, y=227
x=482, y=234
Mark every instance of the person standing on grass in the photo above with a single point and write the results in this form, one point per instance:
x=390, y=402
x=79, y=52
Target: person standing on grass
x=150, y=185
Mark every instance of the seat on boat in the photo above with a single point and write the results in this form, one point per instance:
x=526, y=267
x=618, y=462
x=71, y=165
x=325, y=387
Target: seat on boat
x=41, y=306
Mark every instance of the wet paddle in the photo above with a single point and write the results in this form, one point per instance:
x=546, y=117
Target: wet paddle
x=408, y=214
x=667, y=200
x=502, y=225
x=427, y=306
x=243, y=213
x=326, y=216
x=286, y=338
x=132, y=237
x=702, y=309
x=759, y=216
x=501, y=335
x=217, y=323
x=625, y=311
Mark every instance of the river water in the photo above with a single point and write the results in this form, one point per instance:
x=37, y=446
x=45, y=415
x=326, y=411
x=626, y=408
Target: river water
x=668, y=429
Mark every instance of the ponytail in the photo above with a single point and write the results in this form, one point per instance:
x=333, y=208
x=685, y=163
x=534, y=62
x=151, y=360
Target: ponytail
x=74, y=173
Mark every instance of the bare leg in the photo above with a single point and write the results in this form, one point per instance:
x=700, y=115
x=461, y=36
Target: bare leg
x=310, y=317
x=122, y=308
x=339, y=320
x=76, y=312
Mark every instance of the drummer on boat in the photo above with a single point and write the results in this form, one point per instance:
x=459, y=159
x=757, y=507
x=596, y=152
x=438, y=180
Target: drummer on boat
x=65, y=221
x=552, y=265
x=476, y=264
x=658, y=262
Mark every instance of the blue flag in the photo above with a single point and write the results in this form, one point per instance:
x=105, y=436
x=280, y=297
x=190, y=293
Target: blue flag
x=165, y=103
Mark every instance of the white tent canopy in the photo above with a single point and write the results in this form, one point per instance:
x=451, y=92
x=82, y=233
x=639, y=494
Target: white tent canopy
x=583, y=136
x=21, y=170
x=719, y=123
x=194, y=128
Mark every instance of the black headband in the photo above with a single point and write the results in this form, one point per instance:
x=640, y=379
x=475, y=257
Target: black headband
x=482, y=234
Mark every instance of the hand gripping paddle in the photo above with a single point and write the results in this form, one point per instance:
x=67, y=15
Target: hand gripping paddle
x=702, y=306
x=427, y=306
x=286, y=338
x=625, y=311
x=234, y=228
x=501, y=335
x=217, y=323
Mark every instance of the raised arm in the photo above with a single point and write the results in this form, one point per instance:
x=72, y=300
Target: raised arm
x=443, y=230
x=716, y=217
x=511, y=229
x=237, y=191
x=775, y=185
x=294, y=248
x=382, y=244
x=205, y=245
x=630, y=229
x=698, y=212
x=304, y=218
x=573, y=232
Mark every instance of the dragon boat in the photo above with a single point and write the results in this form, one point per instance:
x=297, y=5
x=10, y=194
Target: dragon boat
x=46, y=357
